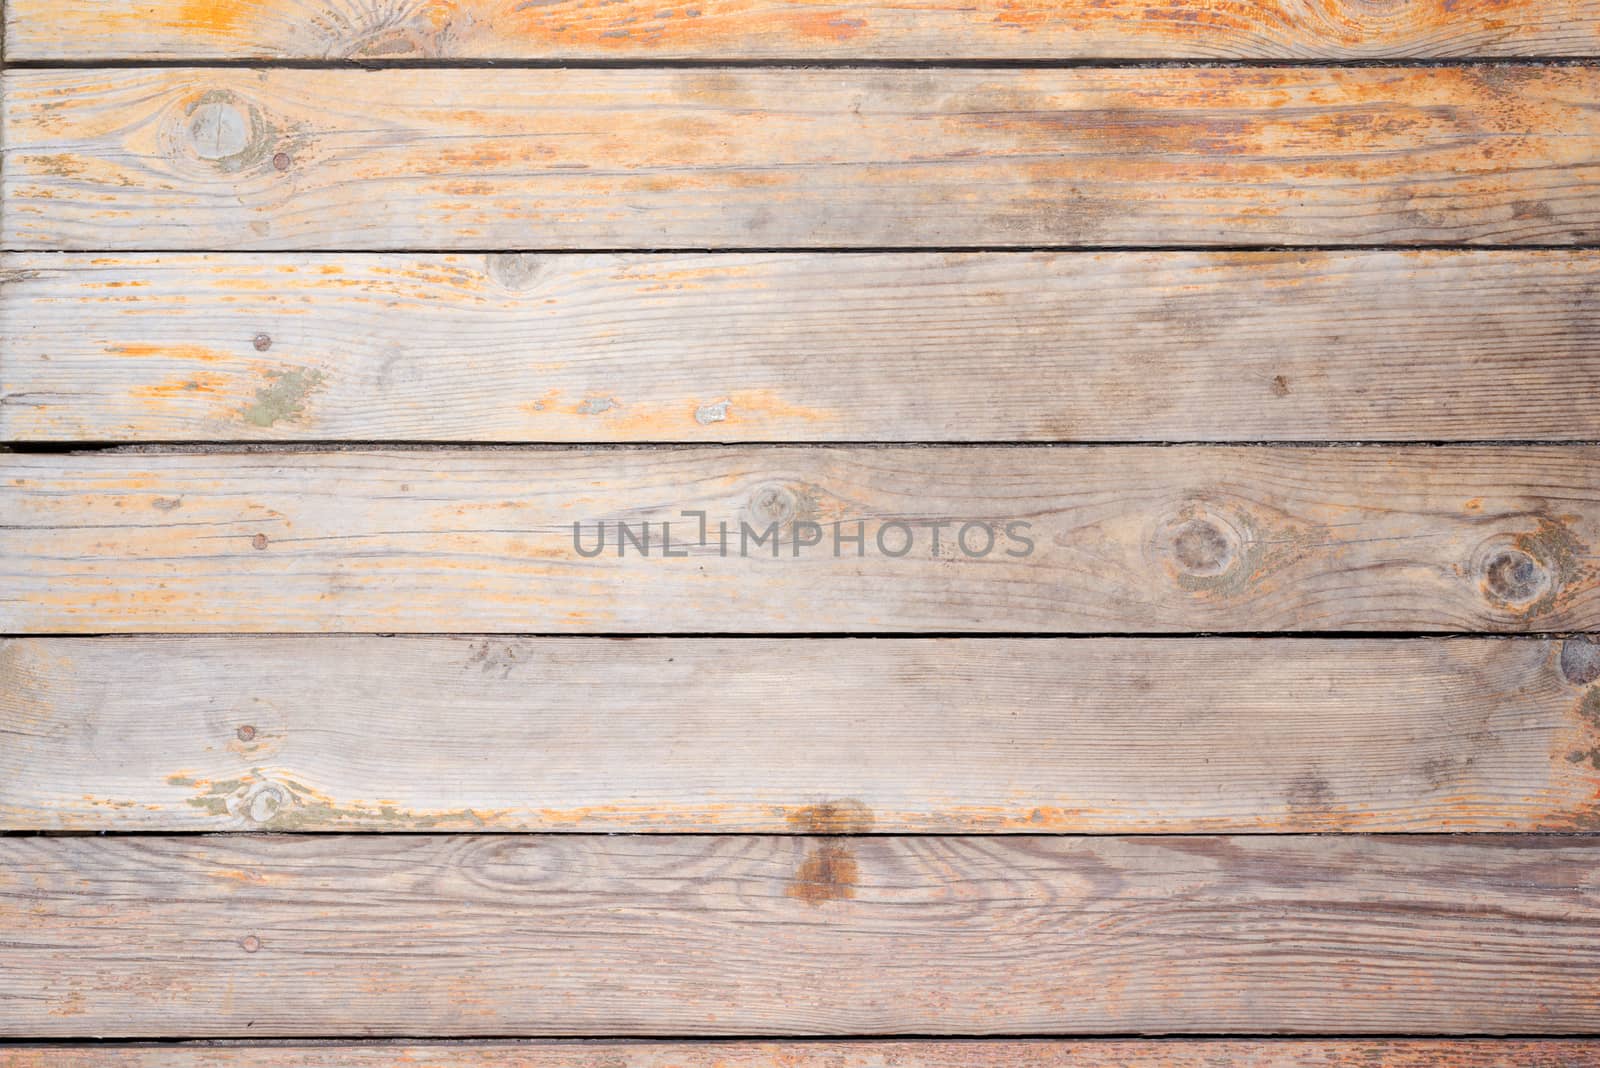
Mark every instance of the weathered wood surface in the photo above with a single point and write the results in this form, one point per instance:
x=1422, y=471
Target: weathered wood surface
x=990, y=1053
x=778, y=29
x=798, y=735
x=1089, y=539
x=559, y=935
x=602, y=158
x=1157, y=346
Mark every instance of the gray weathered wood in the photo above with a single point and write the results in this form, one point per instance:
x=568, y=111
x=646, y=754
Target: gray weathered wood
x=574, y=934
x=1118, y=539
x=809, y=735
x=980, y=1053
x=614, y=158
x=802, y=347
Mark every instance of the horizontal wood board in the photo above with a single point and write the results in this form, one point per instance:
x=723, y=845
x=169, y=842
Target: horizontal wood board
x=553, y=935
x=799, y=735
x=1161, y=346
x=401, y=159
x=1083, y=539
x=87, y=30
x=989, y=1053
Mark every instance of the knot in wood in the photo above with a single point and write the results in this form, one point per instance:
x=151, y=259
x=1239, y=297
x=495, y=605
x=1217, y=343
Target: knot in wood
x=1513, y=577
x=772, y=504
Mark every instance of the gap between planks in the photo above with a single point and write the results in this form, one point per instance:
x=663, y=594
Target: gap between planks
x=854, y=1053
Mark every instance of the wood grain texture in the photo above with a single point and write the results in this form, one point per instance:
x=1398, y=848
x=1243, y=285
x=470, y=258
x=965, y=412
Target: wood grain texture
x=798, y=735
x=215, y=159
x=1467, y=345
x=1087, y=539
x=83, y=30
x=981, y=1053
x=561, y=935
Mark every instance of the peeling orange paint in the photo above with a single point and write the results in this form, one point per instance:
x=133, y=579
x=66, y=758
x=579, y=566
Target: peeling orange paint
x=183, y=386
x=220, y=18
x=838, y=26
x=197, y=353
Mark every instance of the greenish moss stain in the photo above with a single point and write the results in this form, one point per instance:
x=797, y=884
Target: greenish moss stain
x=1589, y=707
x=304, y=809
x=285, y=398
x=1589, y=713
x=214, y=802
x=212, y=806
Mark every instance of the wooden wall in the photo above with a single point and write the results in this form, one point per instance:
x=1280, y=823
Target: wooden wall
x=776, y=534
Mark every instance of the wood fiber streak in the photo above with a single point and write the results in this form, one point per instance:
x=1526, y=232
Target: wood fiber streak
x=1469, y=345
x=863, y=158
x=993, y=1053
x=572, y=935
x=1122, y=539
x=643, y=30
x=1083, y=736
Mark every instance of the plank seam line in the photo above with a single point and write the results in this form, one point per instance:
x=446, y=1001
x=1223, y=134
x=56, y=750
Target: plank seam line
x=920, y=635
x=32, y=447
x=1463, y=837
x=907, y=636
x=1580, y=59
x=808, y=1037
x=820, y=250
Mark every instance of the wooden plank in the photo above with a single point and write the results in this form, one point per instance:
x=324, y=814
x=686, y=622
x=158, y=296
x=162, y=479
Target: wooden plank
x=566, y=734
x=982, y=1053
x=82, y=30
x=824, y=539
x=607, y=158
x=577, y=935
x=803, y=347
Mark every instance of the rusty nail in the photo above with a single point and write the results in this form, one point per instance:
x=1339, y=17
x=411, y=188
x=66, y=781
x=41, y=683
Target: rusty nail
x=281, y=161
x=250, y=943
x=262, y=342
x=259, y=541
x=246, y=733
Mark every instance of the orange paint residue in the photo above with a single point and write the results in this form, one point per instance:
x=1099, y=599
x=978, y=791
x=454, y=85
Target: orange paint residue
x=215, y=16
x=1015, y=14
x=830, y=25
x=171, y=352
x=187, y=385
x=667, y=420
x=627, y=26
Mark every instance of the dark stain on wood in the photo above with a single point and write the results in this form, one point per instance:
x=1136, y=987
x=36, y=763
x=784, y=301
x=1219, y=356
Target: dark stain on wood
x=847, y=816
x=829, y=873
